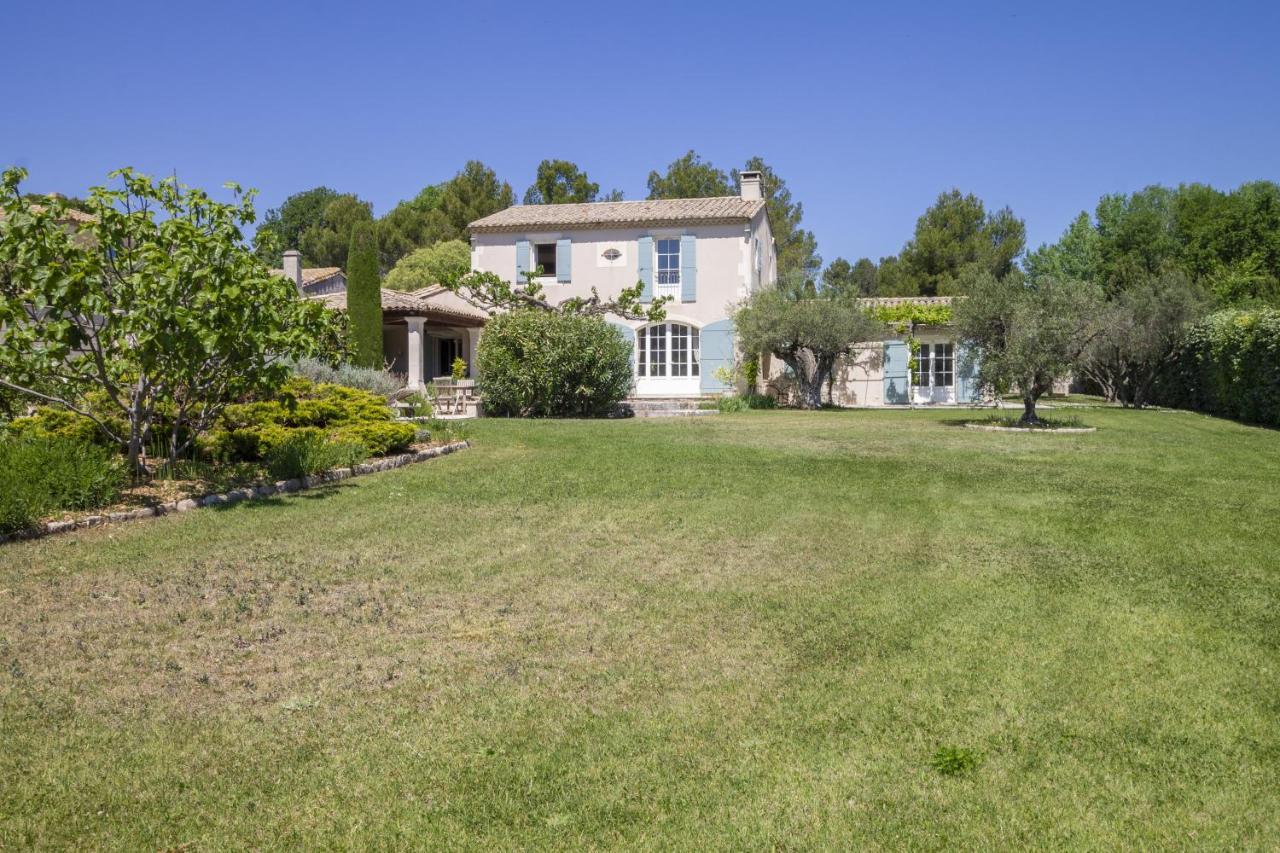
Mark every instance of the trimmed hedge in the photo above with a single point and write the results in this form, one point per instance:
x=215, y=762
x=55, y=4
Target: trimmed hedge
x=40, y=476
x=546, y=364
x=1228, y=364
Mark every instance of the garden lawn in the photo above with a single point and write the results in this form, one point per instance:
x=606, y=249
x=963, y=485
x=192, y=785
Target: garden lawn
x=740, y=631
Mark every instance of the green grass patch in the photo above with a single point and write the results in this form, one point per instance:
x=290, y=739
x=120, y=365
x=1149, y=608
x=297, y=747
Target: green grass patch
x=825, y=630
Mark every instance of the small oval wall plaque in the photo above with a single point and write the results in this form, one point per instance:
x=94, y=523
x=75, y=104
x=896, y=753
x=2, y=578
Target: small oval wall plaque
x=612, y=254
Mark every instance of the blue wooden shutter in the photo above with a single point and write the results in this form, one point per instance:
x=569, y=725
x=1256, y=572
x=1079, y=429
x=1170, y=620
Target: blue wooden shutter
x=522, y=260
x=644, y=264
x=564, y=253
x=897, y=377
x=716, y=343
x=688, y=269
x=967, y=388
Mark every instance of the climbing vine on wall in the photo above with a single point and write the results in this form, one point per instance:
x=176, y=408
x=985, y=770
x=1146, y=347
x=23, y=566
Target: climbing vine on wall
x=903, y=317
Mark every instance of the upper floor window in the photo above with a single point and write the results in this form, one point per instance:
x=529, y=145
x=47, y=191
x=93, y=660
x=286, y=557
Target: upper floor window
x=668, y=251
x=546, y=258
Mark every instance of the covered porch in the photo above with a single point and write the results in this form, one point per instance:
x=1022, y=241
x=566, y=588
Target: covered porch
x=424, y=331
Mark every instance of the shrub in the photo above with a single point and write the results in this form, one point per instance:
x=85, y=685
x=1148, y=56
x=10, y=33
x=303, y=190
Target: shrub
x=546, y=364
x=379, y=437
x=1228, y=364
x=39, y=476
x=306, y=453
x=742, y=402
x=52, y=422
x=250, y=431
x=378, y=381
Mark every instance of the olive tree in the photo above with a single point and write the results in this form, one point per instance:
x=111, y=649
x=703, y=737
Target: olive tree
x=1024, y=336
x=153, y=303
x=1138, y=333
x=809, y=331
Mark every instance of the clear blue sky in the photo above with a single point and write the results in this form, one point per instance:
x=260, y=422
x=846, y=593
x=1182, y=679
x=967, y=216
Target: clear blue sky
x=868, y=111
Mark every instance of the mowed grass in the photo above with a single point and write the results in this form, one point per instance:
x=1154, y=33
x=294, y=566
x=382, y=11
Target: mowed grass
x=763, y=630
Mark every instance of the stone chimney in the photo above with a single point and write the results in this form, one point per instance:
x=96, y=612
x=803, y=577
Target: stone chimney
x=293, y=267
x=750, y=183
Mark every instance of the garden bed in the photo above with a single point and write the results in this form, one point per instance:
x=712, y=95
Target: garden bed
x=158, y=498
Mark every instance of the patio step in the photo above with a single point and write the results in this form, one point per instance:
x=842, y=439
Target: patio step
x=668, y=407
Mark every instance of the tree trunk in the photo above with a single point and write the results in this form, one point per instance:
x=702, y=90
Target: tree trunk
x=810, y=375
x=138, y=424
x=1029, y=416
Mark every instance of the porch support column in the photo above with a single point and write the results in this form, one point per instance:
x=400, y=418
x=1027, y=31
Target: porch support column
x=414, y=355
x=473, y=348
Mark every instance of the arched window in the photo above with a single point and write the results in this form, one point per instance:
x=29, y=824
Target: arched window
x=667, y=350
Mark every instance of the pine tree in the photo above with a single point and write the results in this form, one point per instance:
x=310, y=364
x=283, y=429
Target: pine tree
x=364, y=296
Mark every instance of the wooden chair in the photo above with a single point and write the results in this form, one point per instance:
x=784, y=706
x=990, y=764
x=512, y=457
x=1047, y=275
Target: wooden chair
x=447, y=396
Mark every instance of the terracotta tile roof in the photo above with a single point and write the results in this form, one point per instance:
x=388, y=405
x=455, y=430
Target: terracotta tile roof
x=420, y=303
x=313, y=274
x=724, y=210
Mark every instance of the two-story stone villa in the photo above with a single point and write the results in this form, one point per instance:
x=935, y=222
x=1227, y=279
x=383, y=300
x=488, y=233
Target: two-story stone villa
x=705, y=253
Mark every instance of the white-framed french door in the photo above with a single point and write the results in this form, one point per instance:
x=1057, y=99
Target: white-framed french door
x=668, y=360
x=935, y=374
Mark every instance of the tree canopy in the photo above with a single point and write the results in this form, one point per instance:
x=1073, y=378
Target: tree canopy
x=286, y=223
x=155, y=307
x=851, y=280
x=325, y=244
x=1226, y=242
x=689, y=177
x=1025, y=336
x=473, y=193
x=559, y=182
x=1138, y=333
x=431, y=265
x=957, y=235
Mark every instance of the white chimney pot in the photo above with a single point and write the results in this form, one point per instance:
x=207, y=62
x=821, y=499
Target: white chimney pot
x=750, y=183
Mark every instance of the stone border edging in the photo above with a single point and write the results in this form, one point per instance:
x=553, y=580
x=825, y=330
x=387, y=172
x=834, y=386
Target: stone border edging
x=244, y=493
x=1061, y=430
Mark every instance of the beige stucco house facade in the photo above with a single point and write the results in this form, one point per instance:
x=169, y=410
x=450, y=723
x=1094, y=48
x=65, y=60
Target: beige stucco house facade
x=705, y=253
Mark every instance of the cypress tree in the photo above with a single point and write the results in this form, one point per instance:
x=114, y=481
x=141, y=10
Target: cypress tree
x=364, y=297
